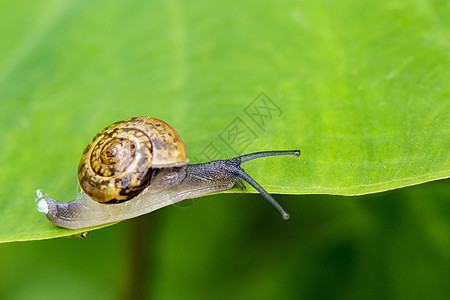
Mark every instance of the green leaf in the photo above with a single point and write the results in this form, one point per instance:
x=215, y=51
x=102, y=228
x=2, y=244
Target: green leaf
x=361, y=88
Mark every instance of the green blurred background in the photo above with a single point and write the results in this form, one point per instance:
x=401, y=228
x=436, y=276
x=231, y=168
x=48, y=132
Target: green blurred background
x=364, y=91
x=393, y=245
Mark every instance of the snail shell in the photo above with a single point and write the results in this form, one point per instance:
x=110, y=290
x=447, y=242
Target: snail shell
x=121, y=160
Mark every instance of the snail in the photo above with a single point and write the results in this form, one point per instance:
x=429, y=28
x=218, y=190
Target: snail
x=138, y=165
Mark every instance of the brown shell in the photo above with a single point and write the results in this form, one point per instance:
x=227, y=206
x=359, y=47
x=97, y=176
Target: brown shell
x=118, y=163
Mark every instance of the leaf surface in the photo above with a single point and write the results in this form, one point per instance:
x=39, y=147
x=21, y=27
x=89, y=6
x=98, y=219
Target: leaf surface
x=360, y=88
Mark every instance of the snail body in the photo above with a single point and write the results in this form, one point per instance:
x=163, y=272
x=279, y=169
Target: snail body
x=138, y=165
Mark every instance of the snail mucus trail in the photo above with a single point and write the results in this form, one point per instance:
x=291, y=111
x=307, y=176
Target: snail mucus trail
x=138, y=165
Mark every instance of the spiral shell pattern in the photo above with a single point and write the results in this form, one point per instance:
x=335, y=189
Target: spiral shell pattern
x=118, y=163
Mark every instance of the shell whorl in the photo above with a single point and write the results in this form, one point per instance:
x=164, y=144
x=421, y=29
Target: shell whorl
x=118, y=163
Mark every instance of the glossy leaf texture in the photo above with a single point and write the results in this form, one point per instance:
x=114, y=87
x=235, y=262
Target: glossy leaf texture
x=360, y=88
